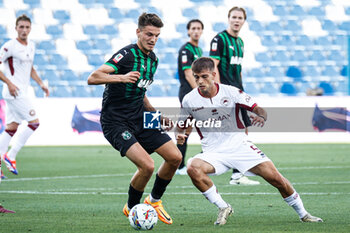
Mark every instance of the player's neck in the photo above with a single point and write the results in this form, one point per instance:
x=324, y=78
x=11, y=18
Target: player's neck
x=194, y=42
x=23, y=42
x=232, y=33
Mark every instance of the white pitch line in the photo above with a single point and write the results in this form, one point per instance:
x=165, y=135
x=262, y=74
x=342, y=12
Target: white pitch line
x=130, y=174
x=187, y=193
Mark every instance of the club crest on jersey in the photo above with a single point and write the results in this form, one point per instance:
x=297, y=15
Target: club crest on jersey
x=214, y=46
x=118, y=57
x=225, y=101
x=184, y=58
x=126, y=135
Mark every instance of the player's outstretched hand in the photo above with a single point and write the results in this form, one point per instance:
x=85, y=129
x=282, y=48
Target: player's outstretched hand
x=181, y=138
x=131, y=77
x=258, y=121
x=13, y=89
x=46, y=90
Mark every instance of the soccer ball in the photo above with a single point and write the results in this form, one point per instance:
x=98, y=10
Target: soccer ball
x=143, y=217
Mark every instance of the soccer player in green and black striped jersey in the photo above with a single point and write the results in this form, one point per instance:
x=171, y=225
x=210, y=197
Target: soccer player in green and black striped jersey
x=187, y=54
x=227, y=50
x=127, y=74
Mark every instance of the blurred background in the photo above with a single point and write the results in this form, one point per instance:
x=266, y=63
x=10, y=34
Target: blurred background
x=292, y=47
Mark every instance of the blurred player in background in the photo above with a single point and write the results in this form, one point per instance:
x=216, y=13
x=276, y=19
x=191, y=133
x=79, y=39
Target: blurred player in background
x=2, y=209
x=17, y=56
x=187, y=54
x=227, y=50
x=228, y=146
x=127, y=75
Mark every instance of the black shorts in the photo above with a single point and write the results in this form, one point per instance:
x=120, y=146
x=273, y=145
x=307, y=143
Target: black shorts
x=122, y=135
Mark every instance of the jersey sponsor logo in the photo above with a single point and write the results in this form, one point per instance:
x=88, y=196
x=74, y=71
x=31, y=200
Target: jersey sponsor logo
x=214, y=46
x=236, y=60
x=225, y=101
x=126, y=135
x=118, y=57
x=184, y=58
x=144, y=83
x=151, y=120
x=197, y=109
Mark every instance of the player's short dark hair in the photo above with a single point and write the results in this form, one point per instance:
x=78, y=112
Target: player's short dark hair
x=149, y=20
x=203, y=63
x=236, y=8
x=23, y=18
x=194, y=21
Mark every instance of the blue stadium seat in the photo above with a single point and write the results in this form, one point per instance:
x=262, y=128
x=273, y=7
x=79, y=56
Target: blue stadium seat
x=47, y=45
x=50, y=75
x=110, y=30
x=55, y=31
x=293, y=25
x=161, y=44
x=84, y=45
x=294, y=72
x=323, y=41
x=181, y=27
x=256, y=26
x=335, y=55
x=87, y=3
x=81, y=91
x=286, y=40
x=3, y=32
x=341, y=40
x=299, y=56
x=58, y=60
x=61, y=91
x=288, y=89
x=170, y=58
x=297, y=10
x=319, y=12
x=327, y=88
x=274, y=27
x=275, y=71
x=40, y=60
x=280, y=11
x=347, y=10
x=69, y=75
x=84, y=75
x=115, y=13
x=344, y=71
x=317, y=55
x=191, y=13
x=26, y=12
x=102, y=45
x=269, y=41
x=330, y=71
x=162, y=74
x=176, y=43
x=133, y=13
x=329, y=25
x=257, y=73
x=154, y=10
x=311, y=71
x=280, y=56
x=91, y=30
x=345, y=26
x=304, y=40
x=95, y=59
x=106, y=3
x=251, y=88
x=270, y=88
x=219, y=27
x=173, y=89
x=32, y=3
x=62, y=16
x=263, y=58
x=97, y=90
x=156, y=90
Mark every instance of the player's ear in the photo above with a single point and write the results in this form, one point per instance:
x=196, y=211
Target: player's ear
x=138, y=31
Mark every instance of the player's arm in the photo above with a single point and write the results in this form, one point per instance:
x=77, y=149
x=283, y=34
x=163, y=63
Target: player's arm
x=260, y=116
x=190, y=79
x=38, y=80
x=103, y=76
x=180, y=135
x=12, y=87
x=216, y=70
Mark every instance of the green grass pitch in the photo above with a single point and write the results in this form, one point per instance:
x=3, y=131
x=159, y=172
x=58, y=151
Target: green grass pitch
x=83, y=189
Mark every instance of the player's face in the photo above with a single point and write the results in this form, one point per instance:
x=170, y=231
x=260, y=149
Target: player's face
x=236, y=20
x=205, y=82
x=195, y=31
x=23, y=29
x=147, y=38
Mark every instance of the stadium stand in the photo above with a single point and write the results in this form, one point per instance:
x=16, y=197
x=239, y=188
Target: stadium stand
x=295, y=41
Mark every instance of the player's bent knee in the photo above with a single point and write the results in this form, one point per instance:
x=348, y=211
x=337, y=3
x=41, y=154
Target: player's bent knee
x=147, y=169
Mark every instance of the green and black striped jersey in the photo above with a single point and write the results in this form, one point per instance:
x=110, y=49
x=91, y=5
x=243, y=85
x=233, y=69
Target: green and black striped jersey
x=229, y=50
x=187, y=54
x=126, y=99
